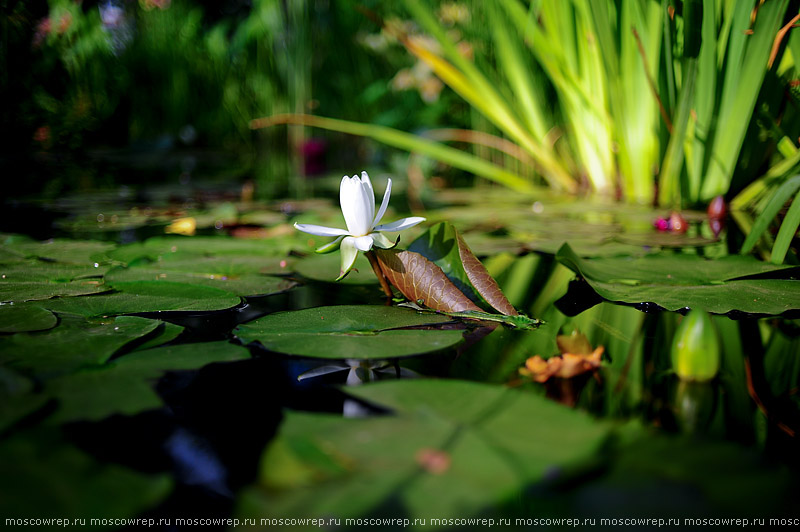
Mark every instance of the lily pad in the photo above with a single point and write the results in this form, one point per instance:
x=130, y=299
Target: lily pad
x=164, y=333
x=326, y=267
x=200, y=246
x=349, y=331
x=37, y=280
x=125, y=386
x=238, y=277
x=677, y=281
x=41, y=476
x=61, y=250
x=23, y=318
x=452, y=449
x=147, y=296
x=75, y=343
x=17, y=398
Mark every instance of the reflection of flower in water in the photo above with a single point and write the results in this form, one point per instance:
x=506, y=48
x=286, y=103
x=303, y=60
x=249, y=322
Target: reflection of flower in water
x=116, y=24
x=150, y=4
x=57, y=25
x=359, y=372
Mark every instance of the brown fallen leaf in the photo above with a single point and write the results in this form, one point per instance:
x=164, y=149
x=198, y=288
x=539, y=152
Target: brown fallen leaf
x=482, y=281
x=422, y=281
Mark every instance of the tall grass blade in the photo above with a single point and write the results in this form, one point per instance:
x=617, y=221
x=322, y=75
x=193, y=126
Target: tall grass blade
x=776, y=202
x=786, y=233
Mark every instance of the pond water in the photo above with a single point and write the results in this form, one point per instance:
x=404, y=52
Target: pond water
x=141, y=376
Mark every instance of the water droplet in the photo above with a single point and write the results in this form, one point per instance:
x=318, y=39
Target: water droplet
x=100, y=217
x=116, y=328
x=538, y=207
x=96, y=265
x=218, y=224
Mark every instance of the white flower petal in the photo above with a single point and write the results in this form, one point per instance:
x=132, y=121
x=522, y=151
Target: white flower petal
x=320, y=230
x=399, y=225
x=349, y=254
x=366, y=184
x=358, y=206
x=384, y=204
x=364, y=243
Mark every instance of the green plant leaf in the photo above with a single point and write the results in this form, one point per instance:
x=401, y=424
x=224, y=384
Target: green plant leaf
x=147, y=296
x=326, y=268
x=17, y=398
x=451, y=449
x=188, y=247
x=677, y=281
x=44, y=476
x=349, y=332
x=63, y=250
x=235, y=276
x=164, y=333
x=774, y=205
x=75, y=343
x=22, y=318
x=125, y=386
x=37, y=280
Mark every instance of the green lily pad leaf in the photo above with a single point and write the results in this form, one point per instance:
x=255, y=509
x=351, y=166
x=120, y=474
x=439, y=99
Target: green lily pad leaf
x=677, y=281
x=37, y=280
x=452, y=449
x=22, y=318
x=443, y=246
x=41, y=475
x=75, y=343
x=163, y=334
x=17, y=398
x=147, y=296
x=238, y=277
x=125, y=386
x=188, y=247
x=326, y=267
x=349, y=331
x=60, y=250
x=110, y=221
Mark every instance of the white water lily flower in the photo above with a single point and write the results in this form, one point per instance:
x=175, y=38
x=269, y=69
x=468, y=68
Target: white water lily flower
x=358, y=207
